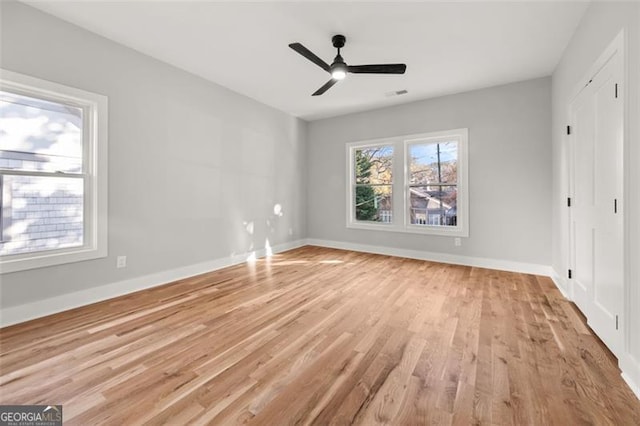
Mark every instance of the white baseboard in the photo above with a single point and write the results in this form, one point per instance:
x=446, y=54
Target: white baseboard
x=502, y=265
x=41, y=308
x=631, y=373
x=561, y=284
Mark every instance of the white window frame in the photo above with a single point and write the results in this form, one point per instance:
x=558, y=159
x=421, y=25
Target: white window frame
x=400, y=184
x=351, y=211
x=94, y=164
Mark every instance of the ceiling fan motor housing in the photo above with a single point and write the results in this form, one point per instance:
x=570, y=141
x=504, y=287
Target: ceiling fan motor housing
x=338, y=41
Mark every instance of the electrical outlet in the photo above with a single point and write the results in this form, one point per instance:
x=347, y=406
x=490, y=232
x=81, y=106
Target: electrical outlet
x=457, y=242
x=121, y=262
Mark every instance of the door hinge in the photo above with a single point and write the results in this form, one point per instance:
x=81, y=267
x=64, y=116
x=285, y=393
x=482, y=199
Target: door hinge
x=616, y=322
x=568, y=201
x=570, y=274
x=616, y=91
x=568, y=130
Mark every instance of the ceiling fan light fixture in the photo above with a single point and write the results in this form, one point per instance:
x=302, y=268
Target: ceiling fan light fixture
x=338, y=74
x=339, y=71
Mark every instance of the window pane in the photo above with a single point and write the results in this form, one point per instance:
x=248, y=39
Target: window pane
x=39, y=135
x=40, y=213
x=373, y=203
x=433, y=205
x=433, y=163
x=373, y=165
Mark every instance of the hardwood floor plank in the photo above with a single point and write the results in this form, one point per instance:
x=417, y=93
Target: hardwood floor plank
x=321, y=336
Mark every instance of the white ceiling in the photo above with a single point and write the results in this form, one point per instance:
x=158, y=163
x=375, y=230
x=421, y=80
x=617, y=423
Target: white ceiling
x=449, y=47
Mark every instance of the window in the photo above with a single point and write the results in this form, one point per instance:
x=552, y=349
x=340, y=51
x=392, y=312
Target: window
x=52, y=173
x=433, y=175
x=373, y=183
x=428, y=170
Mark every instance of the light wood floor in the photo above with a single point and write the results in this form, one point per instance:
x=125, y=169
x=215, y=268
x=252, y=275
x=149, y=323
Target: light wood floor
x=325, y=337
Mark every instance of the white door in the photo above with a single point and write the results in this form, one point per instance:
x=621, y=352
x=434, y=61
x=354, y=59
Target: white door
x=596, y=142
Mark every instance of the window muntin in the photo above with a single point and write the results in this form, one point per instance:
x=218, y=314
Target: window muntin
x=53, y=201
x=429, y=196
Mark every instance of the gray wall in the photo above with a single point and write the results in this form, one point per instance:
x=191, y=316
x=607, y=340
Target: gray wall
x=509, y=170
x=190, y=162
x=599, y=26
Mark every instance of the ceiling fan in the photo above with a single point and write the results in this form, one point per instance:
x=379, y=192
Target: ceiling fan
x=339, y=69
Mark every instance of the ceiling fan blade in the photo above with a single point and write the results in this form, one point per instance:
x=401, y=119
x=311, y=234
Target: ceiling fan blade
x=326, y=87
x=378, y=69
x=309, y=55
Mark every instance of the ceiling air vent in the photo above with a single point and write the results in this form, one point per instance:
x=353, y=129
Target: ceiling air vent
x=396, y=93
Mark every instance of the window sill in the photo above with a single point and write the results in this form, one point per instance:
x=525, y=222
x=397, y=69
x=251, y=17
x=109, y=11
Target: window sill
x=27, y=261
x=412, y=229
